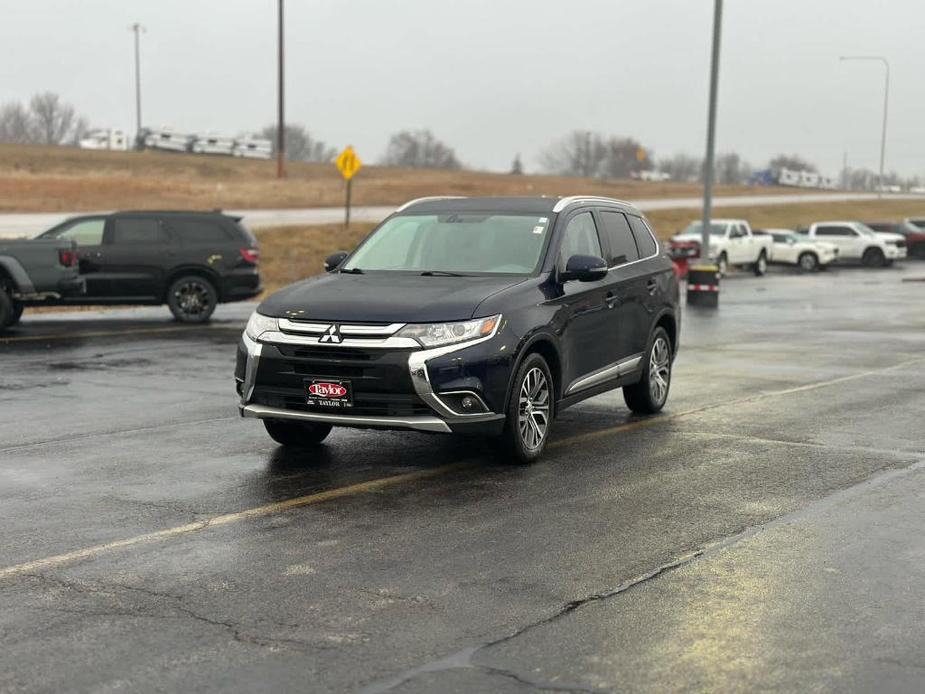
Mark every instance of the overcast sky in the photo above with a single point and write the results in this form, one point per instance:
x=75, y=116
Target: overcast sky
x=492, y=77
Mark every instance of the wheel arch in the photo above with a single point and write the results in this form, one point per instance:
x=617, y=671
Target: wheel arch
x=544, y=345
x=669, y=322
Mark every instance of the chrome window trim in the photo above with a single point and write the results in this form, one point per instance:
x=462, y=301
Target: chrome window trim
x=658, y=248
x=573, y=199
x=604, y=374
x=418, y=423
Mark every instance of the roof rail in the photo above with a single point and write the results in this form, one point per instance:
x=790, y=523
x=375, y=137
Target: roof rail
x=566, y=201
x=429, y=198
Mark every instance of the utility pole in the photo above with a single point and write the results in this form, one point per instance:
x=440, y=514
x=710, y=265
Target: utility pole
x=137, y=29
x=280, y=116
x=886, y=103
x=711, y=133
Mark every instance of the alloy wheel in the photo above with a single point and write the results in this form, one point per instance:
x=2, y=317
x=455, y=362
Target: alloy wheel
x=533, y=412
x=659, y=370
x=192, y=298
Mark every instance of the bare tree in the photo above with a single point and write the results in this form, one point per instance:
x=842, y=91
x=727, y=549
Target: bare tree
x=732, y=170
x=794, y=162
x=53, y=118
x=517, y=166
x=15, y=124
x=300, y=145
x=682, y=167
x=419, y=149
x=590, y=155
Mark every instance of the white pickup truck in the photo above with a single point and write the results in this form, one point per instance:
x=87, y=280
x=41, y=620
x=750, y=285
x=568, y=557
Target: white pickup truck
x=733, y=243
x=856, y=241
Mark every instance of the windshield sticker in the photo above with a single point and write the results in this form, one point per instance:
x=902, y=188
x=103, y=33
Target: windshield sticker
x=538, y=229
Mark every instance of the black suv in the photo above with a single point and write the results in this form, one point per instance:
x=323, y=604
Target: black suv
x=468, y=315
x=190, y=261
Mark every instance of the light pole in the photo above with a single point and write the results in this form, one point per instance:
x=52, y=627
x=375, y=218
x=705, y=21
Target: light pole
x=886, y=103
x=137, y=29
x=280, y=116
x=711, y=133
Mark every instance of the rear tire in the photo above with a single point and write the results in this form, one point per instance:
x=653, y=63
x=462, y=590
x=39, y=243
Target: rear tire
x=296, y=433
x=530, y=410
x=7, y=310
x=873, y=257
x=761, y=265
x=808, y=262
x=650, y=394
x=192, y=299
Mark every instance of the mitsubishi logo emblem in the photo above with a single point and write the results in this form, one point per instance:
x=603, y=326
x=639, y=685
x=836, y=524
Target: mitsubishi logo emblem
x=331, y=335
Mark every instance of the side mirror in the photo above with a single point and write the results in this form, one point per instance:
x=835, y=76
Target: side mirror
x=584, y=268
x=333, y=260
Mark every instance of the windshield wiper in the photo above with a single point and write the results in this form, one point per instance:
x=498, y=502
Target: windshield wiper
x=353, y=271
x=441, y=273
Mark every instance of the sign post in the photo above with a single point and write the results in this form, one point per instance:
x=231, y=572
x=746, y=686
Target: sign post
x=348, y=163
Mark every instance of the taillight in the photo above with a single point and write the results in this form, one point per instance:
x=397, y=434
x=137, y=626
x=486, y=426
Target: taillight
x=67, y=258
x=251, y=255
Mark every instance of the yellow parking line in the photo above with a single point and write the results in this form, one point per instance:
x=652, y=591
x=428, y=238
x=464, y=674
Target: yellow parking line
x=382, y=483
x=112, y=333
x=226, y=519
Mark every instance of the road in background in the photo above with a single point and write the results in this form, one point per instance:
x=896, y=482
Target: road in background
x=764, y=532
x=30, y=224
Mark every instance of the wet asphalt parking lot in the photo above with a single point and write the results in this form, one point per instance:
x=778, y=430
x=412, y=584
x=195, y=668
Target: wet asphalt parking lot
x=764, y=533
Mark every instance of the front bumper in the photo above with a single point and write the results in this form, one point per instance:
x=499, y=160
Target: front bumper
x=395, y=383
x=894, y=252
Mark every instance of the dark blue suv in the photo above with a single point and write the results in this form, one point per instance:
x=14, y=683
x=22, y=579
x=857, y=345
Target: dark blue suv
x=468, y=315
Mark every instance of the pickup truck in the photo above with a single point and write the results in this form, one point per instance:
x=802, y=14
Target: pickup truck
x=732, y=243
x=856, y=241
x=34, y=271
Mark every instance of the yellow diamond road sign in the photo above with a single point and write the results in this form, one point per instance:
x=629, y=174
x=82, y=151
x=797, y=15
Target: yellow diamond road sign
x=348, y=163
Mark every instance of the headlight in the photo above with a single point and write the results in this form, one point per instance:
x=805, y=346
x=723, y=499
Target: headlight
x=258, y=324
x=439, y=334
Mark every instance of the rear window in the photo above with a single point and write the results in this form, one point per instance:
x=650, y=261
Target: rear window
x=644, y=241
x=127, y=230
x=196, y=231
x=622, y=244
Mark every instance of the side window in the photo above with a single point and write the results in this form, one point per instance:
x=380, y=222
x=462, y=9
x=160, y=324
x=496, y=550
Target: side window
x=644, y=241
x=835, y=231
x=86, y=233
x=620, y=236
x=129, y=230
x=196, y=232
x=580, y=238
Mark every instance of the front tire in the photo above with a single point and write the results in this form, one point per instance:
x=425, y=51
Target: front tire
x=649, y=395
x=808, y=262
x=296, y=433
x=530, y=410
x=7, y=310
x=192, y=299
x=761, y=265
x=873, y=257
x=722, y=264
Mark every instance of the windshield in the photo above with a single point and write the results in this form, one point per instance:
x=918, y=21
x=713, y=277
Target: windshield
x=696, y=229
x=458, y=243
x=864, y=229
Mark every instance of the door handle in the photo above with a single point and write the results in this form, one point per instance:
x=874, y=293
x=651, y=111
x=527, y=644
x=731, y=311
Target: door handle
x=611, y=299
x=652, y=285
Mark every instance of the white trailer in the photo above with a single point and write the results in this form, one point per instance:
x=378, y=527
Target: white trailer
x=210, y=143
x=253, y=148
x=105, y=139
x=168, y=139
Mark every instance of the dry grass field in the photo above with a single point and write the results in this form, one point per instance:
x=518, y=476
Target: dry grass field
x=50, y=179
x=293, y=253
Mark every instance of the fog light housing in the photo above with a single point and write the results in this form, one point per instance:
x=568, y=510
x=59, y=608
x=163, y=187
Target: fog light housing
x=463, y=402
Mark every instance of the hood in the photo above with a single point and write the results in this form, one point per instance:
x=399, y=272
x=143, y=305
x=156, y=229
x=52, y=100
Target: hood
x=889, y=236
x=384, y=298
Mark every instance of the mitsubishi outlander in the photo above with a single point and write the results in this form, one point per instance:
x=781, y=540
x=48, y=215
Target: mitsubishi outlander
x=480, y=316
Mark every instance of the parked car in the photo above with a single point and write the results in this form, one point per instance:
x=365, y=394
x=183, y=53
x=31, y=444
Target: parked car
x=856, y=241
x=485, y=316
x=33, y=272
x=190, y=261
x=912, y=229
x=731, y=243
x=791, y=248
